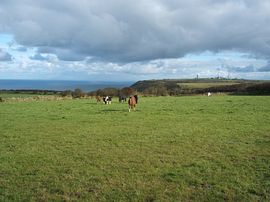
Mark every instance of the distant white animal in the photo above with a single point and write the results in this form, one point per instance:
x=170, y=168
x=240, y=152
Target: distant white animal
x=209, y=94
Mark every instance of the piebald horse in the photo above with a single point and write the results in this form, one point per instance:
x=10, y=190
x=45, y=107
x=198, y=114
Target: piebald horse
x=133, y=100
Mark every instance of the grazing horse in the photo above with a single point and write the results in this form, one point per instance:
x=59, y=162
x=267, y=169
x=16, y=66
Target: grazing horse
x=133, y=100
x=122, y=98
x=107, y=100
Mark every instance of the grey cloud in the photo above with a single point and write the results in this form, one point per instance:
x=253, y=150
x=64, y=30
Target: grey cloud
x=69, y=55
x=124, y=31
x=5, y=56
x=21, y=49
x=246, y=69
x=249, y=68
x=265, y=68
x=51, y=58
x=63, y=54
x=38, y=56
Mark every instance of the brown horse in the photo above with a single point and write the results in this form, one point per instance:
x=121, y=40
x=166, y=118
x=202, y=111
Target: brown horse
x=133, y=100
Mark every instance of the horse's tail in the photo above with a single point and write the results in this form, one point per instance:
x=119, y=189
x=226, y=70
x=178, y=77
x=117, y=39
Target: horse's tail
x=136, y=98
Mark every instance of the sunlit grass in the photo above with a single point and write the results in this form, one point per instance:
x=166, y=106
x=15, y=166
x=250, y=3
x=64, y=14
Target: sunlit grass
x=205, y=85
x=171, y=149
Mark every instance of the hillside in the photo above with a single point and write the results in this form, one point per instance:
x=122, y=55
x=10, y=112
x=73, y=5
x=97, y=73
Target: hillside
x=199, y=86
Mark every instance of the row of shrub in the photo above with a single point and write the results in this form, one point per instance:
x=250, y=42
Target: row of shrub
x=113, y=92
x=77, y=93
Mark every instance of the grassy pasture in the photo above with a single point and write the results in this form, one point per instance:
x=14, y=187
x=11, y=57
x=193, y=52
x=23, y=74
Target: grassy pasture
x=193, y=148
x=201, y=85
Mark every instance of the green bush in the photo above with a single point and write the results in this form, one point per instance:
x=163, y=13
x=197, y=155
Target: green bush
x=78, y=93
x=66, y=93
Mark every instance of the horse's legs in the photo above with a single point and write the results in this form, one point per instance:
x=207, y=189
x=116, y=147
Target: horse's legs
x=129, y=108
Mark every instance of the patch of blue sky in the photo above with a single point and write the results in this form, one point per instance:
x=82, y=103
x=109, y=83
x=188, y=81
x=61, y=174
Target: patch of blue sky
x=8, y=44
x=5, y=38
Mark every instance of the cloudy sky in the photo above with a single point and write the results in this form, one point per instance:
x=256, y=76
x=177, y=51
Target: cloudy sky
x=134, y=40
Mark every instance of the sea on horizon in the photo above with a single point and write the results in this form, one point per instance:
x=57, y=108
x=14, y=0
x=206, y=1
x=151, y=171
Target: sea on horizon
x=59, y=85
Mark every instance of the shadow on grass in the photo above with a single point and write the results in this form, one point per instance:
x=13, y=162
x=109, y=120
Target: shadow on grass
x=117, y=110
x=113, y=110
x=92, y=103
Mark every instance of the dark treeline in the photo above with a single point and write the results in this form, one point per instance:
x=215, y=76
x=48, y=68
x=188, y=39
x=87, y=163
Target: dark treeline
x=238, y=89
x=27, y=91
x=126, y=91
x=113, y=92
x=77, y=93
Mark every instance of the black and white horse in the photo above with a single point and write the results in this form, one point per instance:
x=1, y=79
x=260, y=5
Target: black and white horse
x=107, y=100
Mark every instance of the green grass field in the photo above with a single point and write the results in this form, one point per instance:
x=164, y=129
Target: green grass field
x=202, y=85
x=193, y=148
